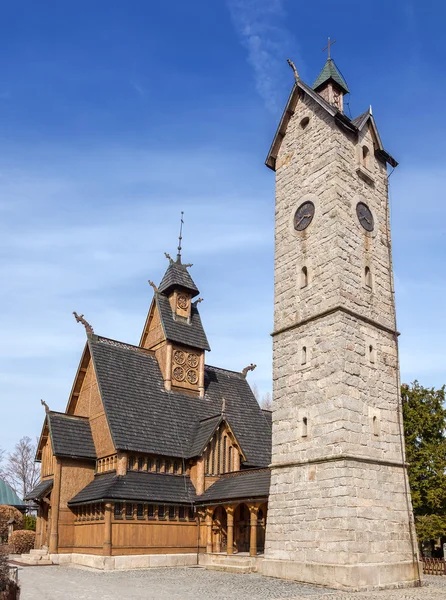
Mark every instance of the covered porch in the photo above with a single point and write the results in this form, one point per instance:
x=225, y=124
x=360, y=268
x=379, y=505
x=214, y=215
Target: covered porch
x=233, y=513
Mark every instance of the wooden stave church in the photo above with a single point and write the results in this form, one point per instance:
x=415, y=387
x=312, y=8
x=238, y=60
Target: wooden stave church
x=157, y=452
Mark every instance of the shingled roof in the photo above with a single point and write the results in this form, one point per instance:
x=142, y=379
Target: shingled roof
x=181, y=330
x=40, y=491
x=177, y=276
x=144, y=417
x=241, y=485
x=330, y=71
x=137, y=486
x=71, y=436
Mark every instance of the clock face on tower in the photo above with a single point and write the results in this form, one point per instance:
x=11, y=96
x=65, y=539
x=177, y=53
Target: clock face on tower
x=304, y=215
x=365, y=216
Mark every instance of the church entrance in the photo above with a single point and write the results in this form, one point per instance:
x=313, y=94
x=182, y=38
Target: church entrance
x=241, y=528
x=219, y=530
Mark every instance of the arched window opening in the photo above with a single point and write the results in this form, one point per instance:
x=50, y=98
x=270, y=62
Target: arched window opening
x=140, y=463
x=230, y=459
x=304, y=277
x=303, y=356
x=304, y=427
x=365, y=157
x=304, y=122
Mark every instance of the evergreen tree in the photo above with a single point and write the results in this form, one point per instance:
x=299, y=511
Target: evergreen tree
x=424, y=416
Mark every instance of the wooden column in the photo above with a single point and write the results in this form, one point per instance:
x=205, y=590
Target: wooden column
x=38, y=528
x=230, y=525
x=107, y=548
x=236, y=459
x=200, y=476
x=209, y=530
x=253, y=531
x=168, y=375
x=55, y=504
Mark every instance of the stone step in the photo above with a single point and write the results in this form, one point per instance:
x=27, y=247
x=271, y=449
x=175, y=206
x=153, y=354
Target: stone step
x=231, y=560
x=38, y=552
x=230, y=568
x=35, y=559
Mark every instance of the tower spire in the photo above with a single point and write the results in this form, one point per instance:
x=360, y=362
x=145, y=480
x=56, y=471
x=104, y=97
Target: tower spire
x=180, y=238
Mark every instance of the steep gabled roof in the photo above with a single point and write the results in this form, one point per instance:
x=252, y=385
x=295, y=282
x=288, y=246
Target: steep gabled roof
x=340, y=119
x=189, y=332
x=41, y=490
x=204, y=432
x=330, y=71
x=71, y=436
x=137, y=486
x=144, y=417
x=242, y=485
x=177, y=276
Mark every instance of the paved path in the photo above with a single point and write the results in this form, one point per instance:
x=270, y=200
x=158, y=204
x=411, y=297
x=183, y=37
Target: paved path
x=69, y=583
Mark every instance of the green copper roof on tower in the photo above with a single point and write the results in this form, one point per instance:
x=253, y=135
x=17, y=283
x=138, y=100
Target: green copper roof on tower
x=330, y=71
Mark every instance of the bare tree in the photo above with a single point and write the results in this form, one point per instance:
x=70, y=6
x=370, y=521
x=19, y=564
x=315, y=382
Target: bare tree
x=267, y=401
x=20, y=470
x=255, y=391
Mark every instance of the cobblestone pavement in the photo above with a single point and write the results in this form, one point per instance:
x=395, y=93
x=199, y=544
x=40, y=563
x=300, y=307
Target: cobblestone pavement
x=68, y=583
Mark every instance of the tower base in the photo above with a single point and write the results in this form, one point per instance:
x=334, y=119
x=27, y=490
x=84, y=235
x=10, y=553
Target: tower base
x=359, y=577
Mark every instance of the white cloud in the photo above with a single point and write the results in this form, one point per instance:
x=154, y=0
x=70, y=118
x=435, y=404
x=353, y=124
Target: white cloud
x=259, y=24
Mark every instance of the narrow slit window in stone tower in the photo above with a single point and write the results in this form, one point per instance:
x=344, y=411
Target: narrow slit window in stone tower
x=304, y=277
x=375, y=425
x=368, y=277
x=304, y=122
x=371, y=353
x=303, y=357
x=365, y=157
x=304, y=427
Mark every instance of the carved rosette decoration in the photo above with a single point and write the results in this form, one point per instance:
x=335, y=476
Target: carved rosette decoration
x=179, y=357
x=179, y=373
x=192, y=376
x=185, y=367
x=192, y=361
x=182, y=301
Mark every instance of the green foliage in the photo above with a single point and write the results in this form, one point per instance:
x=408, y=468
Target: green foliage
x=424, y=416
x=29, y=522
x=430, y=527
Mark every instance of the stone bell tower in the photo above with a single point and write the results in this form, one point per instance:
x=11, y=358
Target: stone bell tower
x=339, y=510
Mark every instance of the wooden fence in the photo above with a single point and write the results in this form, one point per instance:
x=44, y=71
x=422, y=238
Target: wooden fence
x=434, y=566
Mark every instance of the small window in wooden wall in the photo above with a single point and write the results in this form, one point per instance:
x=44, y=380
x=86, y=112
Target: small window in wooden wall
x=172, y=513
x=118, y=510
x=129, y=511
x=158, y=465
x=182, y=513
x=161, y=512
x=140, y=511
x=151, y=511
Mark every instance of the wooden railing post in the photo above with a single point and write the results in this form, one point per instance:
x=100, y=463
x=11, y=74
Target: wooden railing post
x=230, y=526
x=107, y=548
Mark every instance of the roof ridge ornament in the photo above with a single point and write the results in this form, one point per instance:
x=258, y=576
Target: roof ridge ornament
x=47, y=408
x=167, y=255
x=250, y=367
x=85, y=323
x=293, y=66
x=153, y=285
x=196, y=302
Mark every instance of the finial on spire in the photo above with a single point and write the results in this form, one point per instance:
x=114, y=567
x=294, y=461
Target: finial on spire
x=85, y=323
x=328, y=47
x=47, y=408
x=180, y=238
x=250, y=367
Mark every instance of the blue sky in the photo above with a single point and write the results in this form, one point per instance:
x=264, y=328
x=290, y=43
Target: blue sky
x=116, y=116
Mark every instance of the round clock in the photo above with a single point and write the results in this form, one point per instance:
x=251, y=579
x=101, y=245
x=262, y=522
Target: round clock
x=365, y=216
x=304, y=215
